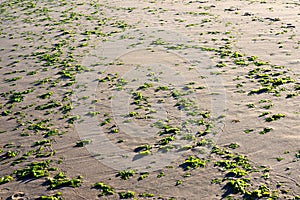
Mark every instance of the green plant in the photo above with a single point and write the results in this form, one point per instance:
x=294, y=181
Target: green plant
x=265, y=130
x=178, y=182
x=275, y=117
x=250, y=105
x=82, y=143
x=46, y=95
x=146, y=195
x=248, y=130
x=127, y=195
x=161, y=174
x=291, y=95
x=261, y=90
x=237, y=172
x=105, y=190
x=169, y=130
x=5, y=179
x=279, y=159
x=6, y=112
x=143, y=176
x=60, y=180
x=264, y=114
x=106, y=121
x=166, y=140
x=51, y=133
x=297, y=155
x=262, y=191
x=56, y=196
x=9, y=154
x=193, y=162
x=145, y=86
x=50, y=104
x=143, y=149
x=238, y=185
x=34, y=170
x=42, y=142
x=163, y=88
x=233, y=146
x=92, y=113
x=126, y=174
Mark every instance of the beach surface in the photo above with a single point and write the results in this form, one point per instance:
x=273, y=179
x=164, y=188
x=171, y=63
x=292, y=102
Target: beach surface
x=149, y=99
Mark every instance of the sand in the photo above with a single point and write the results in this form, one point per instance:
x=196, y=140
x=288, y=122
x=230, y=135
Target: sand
x=183, y=77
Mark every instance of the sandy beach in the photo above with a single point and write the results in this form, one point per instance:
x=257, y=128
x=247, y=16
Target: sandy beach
x=149, y=99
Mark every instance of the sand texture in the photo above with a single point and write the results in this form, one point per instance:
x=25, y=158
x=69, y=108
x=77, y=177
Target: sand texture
x=149, y=99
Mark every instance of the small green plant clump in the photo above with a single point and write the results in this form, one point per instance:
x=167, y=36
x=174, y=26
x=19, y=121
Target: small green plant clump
x=126, y=174
x=42, y=142
x=237, y=172
x=275, y=117
x=143, y=175
x=46, y=95
x=35, y=170
x=265, y=130
x=169, y=130
x=5, y=179
x=105, y=190
x=82, y=143
x=56, y=196
x=233, y=146
x=60, y=180
x=9, y=154
x=50, y=104
x=193, y=162
x=51, y=133
x=145, y=86
x=127, y=195
x=143, y=149
x=238, y=185
x=161, y=174
x=146, y=195
x=166, y=140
